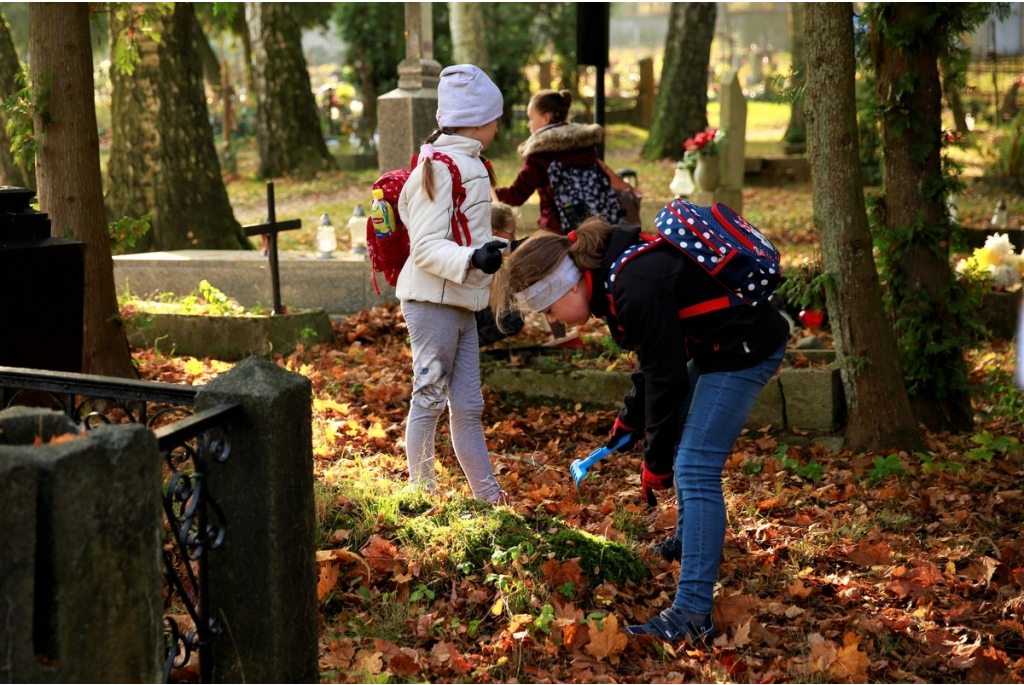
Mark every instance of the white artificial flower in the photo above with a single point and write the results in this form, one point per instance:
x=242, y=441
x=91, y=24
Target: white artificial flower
x=998, y=244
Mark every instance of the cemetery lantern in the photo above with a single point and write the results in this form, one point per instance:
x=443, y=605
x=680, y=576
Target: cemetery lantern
x=326, y=240
x=1000, y=220
x=357, y=231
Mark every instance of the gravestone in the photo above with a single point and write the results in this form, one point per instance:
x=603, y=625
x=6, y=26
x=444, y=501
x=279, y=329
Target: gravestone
x=732, y=120
x=406, y=115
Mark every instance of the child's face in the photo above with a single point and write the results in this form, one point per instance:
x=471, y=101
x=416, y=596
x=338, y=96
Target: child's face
x=573, y=308
x=535, y=119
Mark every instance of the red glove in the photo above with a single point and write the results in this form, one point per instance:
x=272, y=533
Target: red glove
x=620, y=431
x=649, y=482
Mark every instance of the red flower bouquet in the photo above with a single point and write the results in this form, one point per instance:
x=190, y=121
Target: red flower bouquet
x=703, y=144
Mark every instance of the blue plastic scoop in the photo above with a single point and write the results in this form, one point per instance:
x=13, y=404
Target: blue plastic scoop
x=579, y=467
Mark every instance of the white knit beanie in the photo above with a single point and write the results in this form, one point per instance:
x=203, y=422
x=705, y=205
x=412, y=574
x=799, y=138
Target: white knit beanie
x=467, y=97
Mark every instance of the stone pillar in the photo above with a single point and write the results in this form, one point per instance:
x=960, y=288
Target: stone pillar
x=646, y=95
x=407, y=115
x=80, y=541
x=262, y=579
x=546, y=74
x=732, y=120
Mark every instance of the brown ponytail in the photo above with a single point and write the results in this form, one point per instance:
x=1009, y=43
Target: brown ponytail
x=427, y=180
x=541, y=253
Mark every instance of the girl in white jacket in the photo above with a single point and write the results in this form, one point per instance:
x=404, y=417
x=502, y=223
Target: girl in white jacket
x=445, y=280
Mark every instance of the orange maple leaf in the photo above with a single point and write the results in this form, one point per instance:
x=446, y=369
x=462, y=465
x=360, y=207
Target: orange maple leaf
x=606, y=642
x=850, y=663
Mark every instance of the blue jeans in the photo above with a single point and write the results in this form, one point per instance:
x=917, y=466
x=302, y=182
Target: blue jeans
x=716, y=409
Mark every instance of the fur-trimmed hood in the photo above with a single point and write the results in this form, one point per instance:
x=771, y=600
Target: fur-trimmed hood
x=562, y=137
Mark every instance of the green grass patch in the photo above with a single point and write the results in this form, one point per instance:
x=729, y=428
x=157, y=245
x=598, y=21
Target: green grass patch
x=453, y=535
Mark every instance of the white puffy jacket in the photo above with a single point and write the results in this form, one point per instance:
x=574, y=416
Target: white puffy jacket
x=438, y=269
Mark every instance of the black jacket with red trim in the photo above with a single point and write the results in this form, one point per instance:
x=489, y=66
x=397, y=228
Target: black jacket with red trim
x=650, y=290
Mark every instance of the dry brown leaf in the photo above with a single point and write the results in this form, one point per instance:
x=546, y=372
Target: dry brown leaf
x=850, y=664
x=606, y=641
x=380, y=554
x=557, y=574
x=823, y=653
x=734, y=609
x=990, y=666
x=370, y=661
x=799, y=590
x=328, y=579
x=741, y=637
x=868, y=554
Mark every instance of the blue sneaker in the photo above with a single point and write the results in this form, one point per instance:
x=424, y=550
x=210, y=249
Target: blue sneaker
x=670, y=549
x=675, y=625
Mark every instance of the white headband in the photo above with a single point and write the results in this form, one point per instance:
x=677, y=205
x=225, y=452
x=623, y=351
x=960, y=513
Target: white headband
x=551, y=288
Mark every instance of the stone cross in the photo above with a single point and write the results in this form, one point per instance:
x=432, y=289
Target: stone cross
x=406, y=115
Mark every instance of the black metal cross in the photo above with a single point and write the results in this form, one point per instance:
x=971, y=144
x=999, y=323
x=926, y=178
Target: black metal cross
x=269, y=232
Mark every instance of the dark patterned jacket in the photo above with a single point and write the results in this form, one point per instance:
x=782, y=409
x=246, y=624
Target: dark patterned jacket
x=570, y=144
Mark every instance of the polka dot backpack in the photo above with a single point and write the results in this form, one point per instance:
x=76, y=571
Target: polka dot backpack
x=722, y=242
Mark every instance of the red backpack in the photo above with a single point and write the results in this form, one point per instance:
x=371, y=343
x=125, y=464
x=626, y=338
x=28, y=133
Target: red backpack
x=388, y=249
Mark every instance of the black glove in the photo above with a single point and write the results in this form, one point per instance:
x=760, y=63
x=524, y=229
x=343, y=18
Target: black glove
x=488, y=257
x=649, y=482
x=620, y=431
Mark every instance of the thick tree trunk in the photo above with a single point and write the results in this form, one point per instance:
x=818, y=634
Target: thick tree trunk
x=914, y=202
x=681, y=108
x=163, y=162
x=879, y=415
x=68, y=170
x=469, y=41
x=11, y=172
x=796, y=132
x=288, y=126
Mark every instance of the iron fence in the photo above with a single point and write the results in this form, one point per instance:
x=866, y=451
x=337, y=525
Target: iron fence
x=190, y=444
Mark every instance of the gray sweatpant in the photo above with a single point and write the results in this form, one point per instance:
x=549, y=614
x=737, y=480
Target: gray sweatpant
x=446, y=371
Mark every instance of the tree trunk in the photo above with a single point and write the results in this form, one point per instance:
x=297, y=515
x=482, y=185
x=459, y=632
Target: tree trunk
x=796, y=132
x=879, y=415
x=956, y=103
x=68, y=170
x=469, y=40
x=914, y=212
x=288, y=126
x=241, y=28
x=11, y=173
x=681, y=107
x=211, y=63
x=163, y=161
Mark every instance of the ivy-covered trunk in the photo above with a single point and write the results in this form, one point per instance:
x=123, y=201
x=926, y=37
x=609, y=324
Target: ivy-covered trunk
x=915, y=229
x=68, y=170
x=287, y=124
x=12, y=173
x=681, y=108
x=163, y=162
x=879, y=414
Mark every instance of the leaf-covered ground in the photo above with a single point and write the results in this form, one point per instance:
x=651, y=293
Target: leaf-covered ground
x=837, y=567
